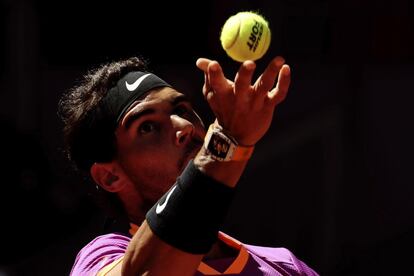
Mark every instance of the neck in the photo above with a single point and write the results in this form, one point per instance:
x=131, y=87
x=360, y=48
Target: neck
x=136, y=218
x=133, y=206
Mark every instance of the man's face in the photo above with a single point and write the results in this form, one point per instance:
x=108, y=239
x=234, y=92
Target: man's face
x=156, y=138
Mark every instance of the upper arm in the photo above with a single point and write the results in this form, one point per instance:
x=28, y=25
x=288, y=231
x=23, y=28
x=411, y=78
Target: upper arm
x=99, y=253
x=112, y=269
x=144, y=254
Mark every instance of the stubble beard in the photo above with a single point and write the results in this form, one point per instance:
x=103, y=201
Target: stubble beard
x=152, y=192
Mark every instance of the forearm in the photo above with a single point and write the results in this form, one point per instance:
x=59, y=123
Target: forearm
x=149, y=255
x=174, y=238
x=227, y=173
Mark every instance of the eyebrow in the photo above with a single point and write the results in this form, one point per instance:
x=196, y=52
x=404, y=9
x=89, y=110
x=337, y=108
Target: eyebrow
x=179, y=99
x=135, y=116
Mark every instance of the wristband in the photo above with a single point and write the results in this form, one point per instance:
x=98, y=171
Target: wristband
x=190, y=214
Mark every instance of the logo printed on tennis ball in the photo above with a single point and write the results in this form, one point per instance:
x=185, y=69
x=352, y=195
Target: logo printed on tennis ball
x=255, y=36
x=245, y=36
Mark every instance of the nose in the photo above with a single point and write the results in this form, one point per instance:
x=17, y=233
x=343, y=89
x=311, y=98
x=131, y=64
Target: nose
x=183, y=130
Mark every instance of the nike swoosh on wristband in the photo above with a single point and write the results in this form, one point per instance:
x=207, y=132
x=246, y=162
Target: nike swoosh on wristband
x=132, y=87
x=161, y=207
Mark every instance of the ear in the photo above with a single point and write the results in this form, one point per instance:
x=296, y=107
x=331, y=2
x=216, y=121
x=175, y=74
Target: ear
x=106, y=175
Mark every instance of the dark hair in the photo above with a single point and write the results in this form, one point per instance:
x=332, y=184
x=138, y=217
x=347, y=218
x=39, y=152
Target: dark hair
x=87, y=141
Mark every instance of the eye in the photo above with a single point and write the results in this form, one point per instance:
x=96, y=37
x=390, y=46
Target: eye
x=146, y=127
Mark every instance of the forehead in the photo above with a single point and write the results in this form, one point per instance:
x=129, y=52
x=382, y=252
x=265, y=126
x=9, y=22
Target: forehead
x=160, y=95
x=157, y=96
x=152, y=99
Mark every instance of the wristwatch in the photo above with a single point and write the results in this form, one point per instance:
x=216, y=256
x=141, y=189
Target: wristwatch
x=223, y=147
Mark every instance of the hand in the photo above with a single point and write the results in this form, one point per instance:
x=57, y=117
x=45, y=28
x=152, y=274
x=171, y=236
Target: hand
x=245, y=111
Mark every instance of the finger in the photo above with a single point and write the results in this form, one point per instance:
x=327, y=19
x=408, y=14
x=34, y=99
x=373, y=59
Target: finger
x=267, y=80
x=217, y=80
x=202, y=63
x=206, y=86
x=278, y=94
x=243, y=79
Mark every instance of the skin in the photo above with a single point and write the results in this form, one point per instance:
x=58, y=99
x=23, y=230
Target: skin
x=154, y=148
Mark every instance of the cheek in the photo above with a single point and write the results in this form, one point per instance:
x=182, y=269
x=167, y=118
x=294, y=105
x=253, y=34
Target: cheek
x=152, y=174
x=198, y=124
x=200, y=131
x=143, y=157
x=151, y=163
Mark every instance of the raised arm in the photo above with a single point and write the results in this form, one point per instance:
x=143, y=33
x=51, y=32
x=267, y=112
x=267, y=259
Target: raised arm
x=244, y=111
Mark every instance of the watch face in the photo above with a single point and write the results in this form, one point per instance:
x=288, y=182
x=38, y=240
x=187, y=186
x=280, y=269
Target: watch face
x=218, y=146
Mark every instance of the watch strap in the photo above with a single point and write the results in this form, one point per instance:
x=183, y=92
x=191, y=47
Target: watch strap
x=242, y=153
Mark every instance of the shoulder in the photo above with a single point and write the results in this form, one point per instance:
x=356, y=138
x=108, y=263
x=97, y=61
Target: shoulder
x=100, y=252
x=282, y=258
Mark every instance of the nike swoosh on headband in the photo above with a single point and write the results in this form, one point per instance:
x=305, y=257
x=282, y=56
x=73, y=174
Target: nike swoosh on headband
x=161, y=207
x=133, y=86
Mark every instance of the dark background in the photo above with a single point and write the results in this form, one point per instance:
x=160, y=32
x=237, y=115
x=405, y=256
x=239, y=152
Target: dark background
x=333, y=178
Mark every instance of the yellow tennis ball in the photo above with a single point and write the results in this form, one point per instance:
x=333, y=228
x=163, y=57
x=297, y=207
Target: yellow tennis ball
x=245, y=36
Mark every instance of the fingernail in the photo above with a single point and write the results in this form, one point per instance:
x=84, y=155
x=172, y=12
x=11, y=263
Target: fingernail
x=250, y=65
x=280, y=61
x=286, y=69
x=214, y=67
